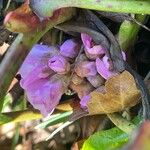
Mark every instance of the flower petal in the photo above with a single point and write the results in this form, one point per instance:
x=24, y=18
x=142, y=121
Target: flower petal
x=59, y=64
x=69, y=48
x=84, y=100
x=103, y=70
x=37, y=73
x=38, y=55
x=86, y=69
x=44, y=94
x=92, y=50
x=86, y=39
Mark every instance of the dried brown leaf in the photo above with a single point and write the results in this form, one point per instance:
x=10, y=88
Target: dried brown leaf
x=121, y=93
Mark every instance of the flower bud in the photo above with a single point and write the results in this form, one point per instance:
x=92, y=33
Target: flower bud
x=86, y=69
x=70, y=48
x=22, y=20
x=59, y=64
x=76, y=79
x=82, y=89
x=103, y=68
x=96, y=81
x=92, y=50
x=84, y=100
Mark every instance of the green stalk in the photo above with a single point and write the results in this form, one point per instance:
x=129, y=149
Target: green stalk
x=45, y=8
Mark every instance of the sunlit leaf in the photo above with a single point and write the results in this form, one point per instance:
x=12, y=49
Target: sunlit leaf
x=106, y=140
x=19, y=116
x=45, y=8
x=121, y=92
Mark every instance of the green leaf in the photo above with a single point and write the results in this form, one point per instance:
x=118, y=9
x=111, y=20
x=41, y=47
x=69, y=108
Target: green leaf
x=109, y=139
x=19, y=116
x=55, y=119
x=128, y=32
x=106, y=140
x=45, y=8
x=4, y=119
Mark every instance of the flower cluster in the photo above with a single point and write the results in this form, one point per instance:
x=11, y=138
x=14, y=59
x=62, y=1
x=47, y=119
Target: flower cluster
x=48, y=72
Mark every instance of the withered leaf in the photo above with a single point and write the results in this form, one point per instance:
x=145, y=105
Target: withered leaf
x=121, y=92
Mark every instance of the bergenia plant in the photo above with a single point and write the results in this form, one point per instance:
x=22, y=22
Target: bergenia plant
x=47, y=72
x=81, y=65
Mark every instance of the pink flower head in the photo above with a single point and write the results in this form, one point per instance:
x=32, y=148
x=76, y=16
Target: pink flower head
x=86, y=69
x=69, y=48
x=103, y=67
x=38, y=80
x=92, y=50
x=59, y=64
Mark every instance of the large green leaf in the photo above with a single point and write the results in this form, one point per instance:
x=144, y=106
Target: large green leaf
x=106, y=140
x=45, y=8
x=109, y=139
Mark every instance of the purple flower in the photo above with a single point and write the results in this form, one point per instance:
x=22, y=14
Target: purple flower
x=82, y=89
x=37, y=58
x=69, y=48
x=91, y=49
x=43, y=88
x=103, y=67
x=45, y=94
x=59, y=64
x=84, y=100
x=86, y=69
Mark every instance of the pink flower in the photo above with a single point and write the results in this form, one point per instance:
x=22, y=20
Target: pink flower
x=42, y=87
x=59, y=64
x=84, y=100
x=103, y=68
x=92, y=50
x=86, y=69
x=45, y=94
x=69, y=48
